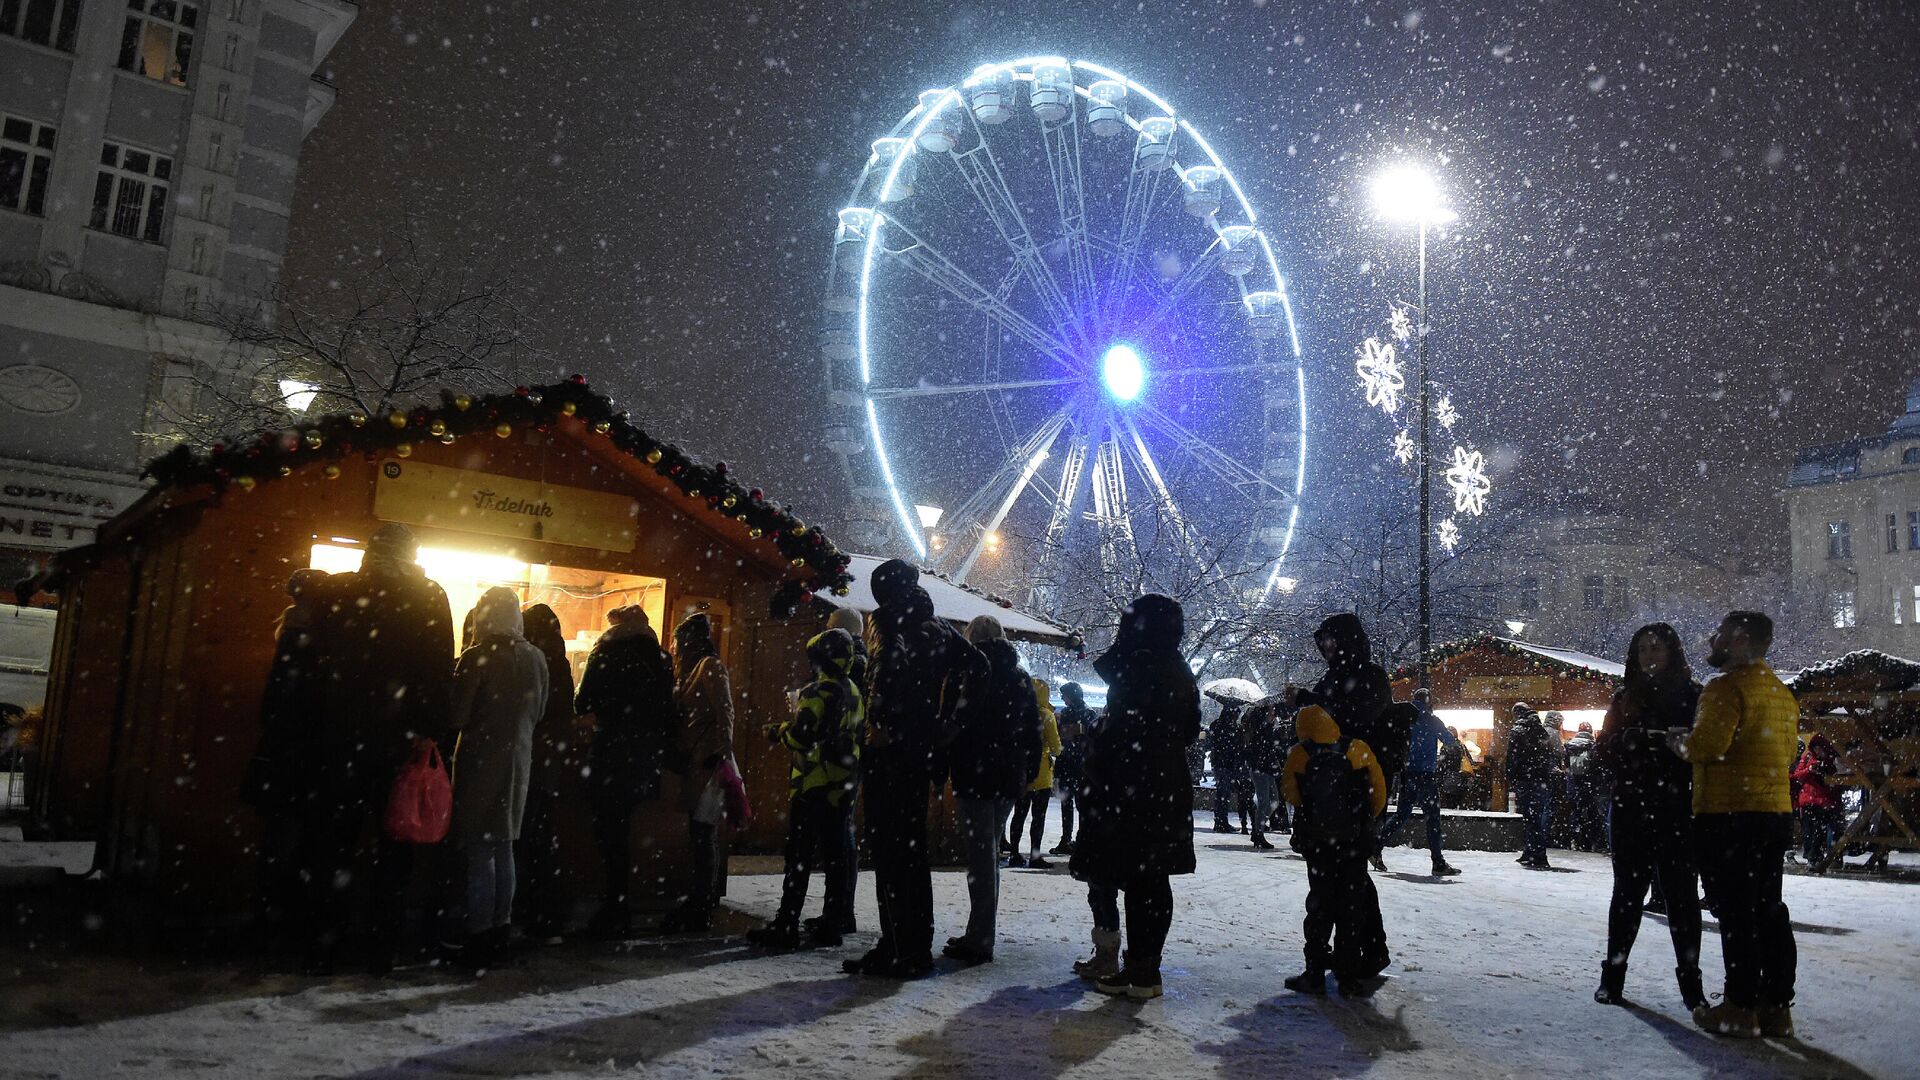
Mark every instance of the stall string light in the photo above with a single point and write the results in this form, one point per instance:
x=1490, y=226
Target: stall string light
x=266, y=456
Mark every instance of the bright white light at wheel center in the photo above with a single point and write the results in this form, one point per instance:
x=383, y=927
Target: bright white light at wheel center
x=1123, y=372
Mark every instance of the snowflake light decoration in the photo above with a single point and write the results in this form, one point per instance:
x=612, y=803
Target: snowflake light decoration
x=1467, y=478
x=1380, y=374
x=1445, y=414
x=1399, y=324
x=1403, y=448
x=1448, y=534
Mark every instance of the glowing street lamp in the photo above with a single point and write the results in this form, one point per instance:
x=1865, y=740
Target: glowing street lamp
x=929, y=515
x=1408, y=193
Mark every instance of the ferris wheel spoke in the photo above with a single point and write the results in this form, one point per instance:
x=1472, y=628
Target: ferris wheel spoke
x=981, y=171
x=950, y=389
x=944, y=274
x=1041, y=445
x=1132, y=237
x=1219, y=462
x=1182, y=287
x=1062, y=140
x=1066, y=502
x=1276, y=367
x=1167, y=505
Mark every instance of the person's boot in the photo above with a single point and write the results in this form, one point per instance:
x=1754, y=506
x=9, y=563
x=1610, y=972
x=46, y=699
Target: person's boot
x=1613, y=983
x=1220, y=825
x=820, y=924
x=1378, y=862
x=611, y=922
x=1261, y=843
x=1137, y=981
x=776, y=936
x=1776, y=1021
x=1311, y=981
x=1726, y=1018
x=1036, y=861
x=1064, y=847
x=1443, y=868
x=1105, y=960
x=1691, y=991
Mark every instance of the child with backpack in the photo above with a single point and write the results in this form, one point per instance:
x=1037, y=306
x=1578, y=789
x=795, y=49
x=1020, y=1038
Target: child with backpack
x=823, y=737
x=1339, y=790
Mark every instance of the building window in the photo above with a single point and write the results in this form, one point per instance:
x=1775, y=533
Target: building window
x=1913, y=530
x=1617, y=594
x=1839, y=540
x=1899, y=609
x=1893, y=533
x=43, y=22
x=26, y=157
x=1593, y=592
x=1840, y=606
x=158, y=39
x=1916, y=605
x=1910, y=456
x=1529, y=594
x=130, y=195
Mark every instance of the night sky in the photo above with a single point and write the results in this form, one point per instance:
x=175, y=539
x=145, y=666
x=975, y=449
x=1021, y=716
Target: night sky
x=1687, y=243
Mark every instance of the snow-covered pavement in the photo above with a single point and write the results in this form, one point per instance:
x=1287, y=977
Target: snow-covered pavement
x=1493, y=976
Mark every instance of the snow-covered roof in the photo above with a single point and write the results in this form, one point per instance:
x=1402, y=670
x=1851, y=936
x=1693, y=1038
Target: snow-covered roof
x=955, y=603
x=1571, y=657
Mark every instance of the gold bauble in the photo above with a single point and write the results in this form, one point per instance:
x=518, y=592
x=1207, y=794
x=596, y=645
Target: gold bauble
x=447, y=438
x=602, y=427
x=397, y=419
x=799, y=562
x=729, y=502
x=462, y=402
x=503, y=430
x=357, y=419
x=286, y=470
x=438, y=427
x=403, y=450
x=568, y=408
x=314, y=440
x=244, y=483
x=331, y=472
x=753, y=534
x=653, y=456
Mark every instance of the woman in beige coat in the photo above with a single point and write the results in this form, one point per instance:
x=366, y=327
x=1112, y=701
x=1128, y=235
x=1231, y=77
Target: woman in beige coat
x=704, y=697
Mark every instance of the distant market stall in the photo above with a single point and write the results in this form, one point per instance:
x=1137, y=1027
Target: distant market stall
x=1866, y=704
x=956, y=603
x=166, y=622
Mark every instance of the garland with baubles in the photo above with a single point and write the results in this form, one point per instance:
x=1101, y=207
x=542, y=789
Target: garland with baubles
x=325, y=441
x=1534, y=661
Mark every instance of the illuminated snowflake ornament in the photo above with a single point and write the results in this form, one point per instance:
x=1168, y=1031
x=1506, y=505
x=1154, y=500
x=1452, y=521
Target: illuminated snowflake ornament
x=1445, y=414
x=1448, y=534
x=1399, y=324
x=1379, y=371
x=1467, y=479
x=1403, y=448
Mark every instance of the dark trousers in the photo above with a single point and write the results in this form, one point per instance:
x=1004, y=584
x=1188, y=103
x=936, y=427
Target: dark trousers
x=1343, y=914
x=1654, y=849
x=541, y=901
x=1535, y=798
x=1105, y=903
x=1068, y=797
x=613, y=835
x=898, y=781
x=1820, y=826
x=704, y=887
x=1149, y=918
x=816, y=836
x=352, y=858
x=1587, y=802
x=1740, y=865
x=1232, y=793
x=1418, y=791
x=1037, y=802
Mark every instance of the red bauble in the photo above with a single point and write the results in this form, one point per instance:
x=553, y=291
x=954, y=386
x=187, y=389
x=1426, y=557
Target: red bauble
x=521, y=391
x=577, y=379
x=756, y=495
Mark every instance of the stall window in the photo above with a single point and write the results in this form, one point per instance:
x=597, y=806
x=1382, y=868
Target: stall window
x=26, y=158
x=157, y=40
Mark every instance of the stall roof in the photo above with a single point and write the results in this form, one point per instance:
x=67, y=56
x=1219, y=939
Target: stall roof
x=1570, y=657
x=1571, y=662
x=956, y=603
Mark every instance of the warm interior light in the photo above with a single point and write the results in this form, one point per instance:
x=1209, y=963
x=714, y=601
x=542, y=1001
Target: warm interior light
x=1123, y=372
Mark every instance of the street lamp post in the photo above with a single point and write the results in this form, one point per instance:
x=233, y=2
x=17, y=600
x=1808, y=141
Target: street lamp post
x=1408, y=194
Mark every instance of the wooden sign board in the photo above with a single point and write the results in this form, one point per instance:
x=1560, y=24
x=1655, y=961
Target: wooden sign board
x=1508, y=687
x=478, y=502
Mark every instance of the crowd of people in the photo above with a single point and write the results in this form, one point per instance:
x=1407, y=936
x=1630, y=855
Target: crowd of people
x=1687, y=788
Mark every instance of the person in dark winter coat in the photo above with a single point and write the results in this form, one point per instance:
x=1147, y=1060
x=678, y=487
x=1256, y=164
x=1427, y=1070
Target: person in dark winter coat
x=1420, y=785
x=1232, y=780
x=991, y=751
x=626, y=692
x=499, y=694
x=1586, y=791
x=277, y=783
x=1822, y=814
x=1265, y=756
x=557, y=754
x=1651, y=808
x=1069, y=769
x=823, y=739
x=1337, y=784
x=386, y=642
x=919, y=670
x=1137, y=831
x=1533, y=755
x=703, y=698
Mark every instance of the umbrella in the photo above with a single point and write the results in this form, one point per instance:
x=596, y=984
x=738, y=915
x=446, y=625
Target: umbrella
x=1233, y=691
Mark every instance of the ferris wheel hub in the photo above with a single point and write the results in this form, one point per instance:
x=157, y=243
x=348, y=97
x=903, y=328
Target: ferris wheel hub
x=1123, y=372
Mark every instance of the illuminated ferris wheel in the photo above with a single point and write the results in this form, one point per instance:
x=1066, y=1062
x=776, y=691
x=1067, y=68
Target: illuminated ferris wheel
x=1053, y=320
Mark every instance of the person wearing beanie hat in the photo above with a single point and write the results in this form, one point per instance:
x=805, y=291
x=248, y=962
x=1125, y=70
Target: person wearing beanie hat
x=1339, y=789
x=626, y=694
x=704, y=697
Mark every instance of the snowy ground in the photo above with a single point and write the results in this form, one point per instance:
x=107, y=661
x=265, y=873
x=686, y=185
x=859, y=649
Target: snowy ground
x=1493, y=976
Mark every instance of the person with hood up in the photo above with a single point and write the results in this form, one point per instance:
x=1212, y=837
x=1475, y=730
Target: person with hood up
x=556, y=756
x=919, y=671
x=991, y=751
x=1419, y=784
x=1586, y=791
x=626, y=693
x=1651, y=809
x=1741, y=749
x=1232, y=778
x=499, y=694
x=277, y=782
x=1137, y=832
x=386, y=660
x=704, y=699
x=1822, y=814
x=1040, y=791
x=854, y=624
x=1533, y=752
x=1075, y=720
x=1337, y=785
x=822, y=738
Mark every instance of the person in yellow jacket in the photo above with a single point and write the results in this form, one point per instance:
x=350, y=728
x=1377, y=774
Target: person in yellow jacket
x=1038, y=792
x=1742, y=750
x=823, y=738
x=1339, y=789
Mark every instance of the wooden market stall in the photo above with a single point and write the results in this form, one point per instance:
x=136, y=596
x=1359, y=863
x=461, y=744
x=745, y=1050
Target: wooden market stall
x=166, y=623
x=1866, y=704
x=1477, y=681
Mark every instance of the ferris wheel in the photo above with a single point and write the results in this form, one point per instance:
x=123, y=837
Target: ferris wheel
x=1062, y=327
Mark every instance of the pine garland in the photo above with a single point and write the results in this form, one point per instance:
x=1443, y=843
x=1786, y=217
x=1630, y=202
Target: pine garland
x=327, y=440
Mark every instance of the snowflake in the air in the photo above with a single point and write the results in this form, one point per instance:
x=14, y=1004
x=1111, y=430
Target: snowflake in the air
x=1403, y=448
x=1467, y=478
x=1445, y=414
x=1399, y=324
x=1379, y=372
x=1448, y=534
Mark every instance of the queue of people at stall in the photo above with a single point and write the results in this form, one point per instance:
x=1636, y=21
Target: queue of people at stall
x=905, y=705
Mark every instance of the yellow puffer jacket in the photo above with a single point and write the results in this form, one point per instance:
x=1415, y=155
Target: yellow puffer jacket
x=1742, y=744
x=1049, y=737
